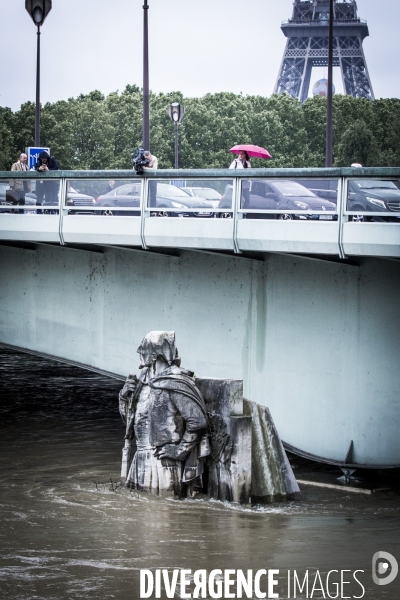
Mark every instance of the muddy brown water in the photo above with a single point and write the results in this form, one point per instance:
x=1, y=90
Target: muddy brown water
x=68, y=532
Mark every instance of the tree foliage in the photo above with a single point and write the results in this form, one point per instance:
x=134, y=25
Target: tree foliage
x=97, y=132
x=6, y=138
x=357, y=144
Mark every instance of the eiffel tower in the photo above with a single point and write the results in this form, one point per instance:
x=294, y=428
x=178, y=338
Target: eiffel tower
x=307, y=35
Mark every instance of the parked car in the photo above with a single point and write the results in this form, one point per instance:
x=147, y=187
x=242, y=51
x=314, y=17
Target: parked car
x=74, y=198
x=4, y=186
x=166, y=197
x=9, y=202
x=124, y=195
x=324, y=188
x=206, y=193
x=170, y=196
x=371, y=195
x=280, y=194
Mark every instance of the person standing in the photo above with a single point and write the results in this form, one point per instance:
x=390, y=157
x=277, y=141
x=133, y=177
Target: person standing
x=21, y=164
x=110, y=186
x=152, y=164
x=46, y=189
x=152, y=160
x=243, y=162
x=18, y=187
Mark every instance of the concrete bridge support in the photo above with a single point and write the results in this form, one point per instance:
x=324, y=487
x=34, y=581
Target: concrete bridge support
x=316, y=341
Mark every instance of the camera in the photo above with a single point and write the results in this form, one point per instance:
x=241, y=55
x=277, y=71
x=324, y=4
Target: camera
x=139, y=160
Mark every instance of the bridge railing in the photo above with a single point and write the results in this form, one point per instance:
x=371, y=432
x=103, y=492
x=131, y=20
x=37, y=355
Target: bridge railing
x=339, y=212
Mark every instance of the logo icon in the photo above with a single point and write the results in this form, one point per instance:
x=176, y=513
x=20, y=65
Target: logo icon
x=384, y=563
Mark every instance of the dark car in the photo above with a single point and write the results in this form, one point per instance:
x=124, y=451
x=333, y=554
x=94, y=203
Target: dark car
x=166, y=198
x=4, y=187
x=74, y=198
x=10, y=200
x=170, y=196
x=122, y=196
x=370, y=195
x=280, y=194
x=324, y=188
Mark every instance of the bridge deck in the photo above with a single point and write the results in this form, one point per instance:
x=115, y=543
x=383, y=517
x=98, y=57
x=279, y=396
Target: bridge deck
x=337, y=212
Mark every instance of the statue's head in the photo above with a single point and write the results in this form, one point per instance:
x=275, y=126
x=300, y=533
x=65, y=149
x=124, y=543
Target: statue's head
x=158, y=345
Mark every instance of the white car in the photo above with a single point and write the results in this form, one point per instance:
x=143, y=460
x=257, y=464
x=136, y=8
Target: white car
x=204, y=192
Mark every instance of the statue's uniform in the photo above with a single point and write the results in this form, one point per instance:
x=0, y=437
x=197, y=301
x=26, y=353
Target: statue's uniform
x=170, y=410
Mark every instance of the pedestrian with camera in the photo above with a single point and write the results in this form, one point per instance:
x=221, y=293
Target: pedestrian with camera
x=46, y=191
x=144, y=160
x=151, y=164
x=152, y=161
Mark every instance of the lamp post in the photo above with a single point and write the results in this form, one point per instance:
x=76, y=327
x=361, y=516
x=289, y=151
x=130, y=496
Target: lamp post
x=328, y=152
x=146, y=103
x=38, y=10
x=176, y=112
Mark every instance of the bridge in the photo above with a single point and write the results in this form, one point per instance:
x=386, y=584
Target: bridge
x=288, y=279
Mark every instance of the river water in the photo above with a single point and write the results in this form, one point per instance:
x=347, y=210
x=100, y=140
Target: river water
x=68, y=532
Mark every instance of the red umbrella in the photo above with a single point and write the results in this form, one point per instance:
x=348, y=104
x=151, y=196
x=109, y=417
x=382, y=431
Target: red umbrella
x=251, y=150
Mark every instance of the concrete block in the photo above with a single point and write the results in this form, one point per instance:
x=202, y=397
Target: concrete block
x=240, y=467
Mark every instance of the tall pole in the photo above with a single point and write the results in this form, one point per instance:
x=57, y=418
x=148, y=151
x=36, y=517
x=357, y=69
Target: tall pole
x=328, y=152
x=176, y=145
x=38, y=11
x=146, y=103
x=37, y=109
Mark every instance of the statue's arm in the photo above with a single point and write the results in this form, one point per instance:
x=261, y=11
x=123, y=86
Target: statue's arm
x=195, y=425
x=123, y=406
x=126, y=396
x=181, y=450
x=195, y=420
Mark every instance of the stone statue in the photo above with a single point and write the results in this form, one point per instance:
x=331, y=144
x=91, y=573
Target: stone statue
x=166, y=421
x=179, y=427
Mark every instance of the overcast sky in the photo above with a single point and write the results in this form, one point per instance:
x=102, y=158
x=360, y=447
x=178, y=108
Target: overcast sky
x=196, y=46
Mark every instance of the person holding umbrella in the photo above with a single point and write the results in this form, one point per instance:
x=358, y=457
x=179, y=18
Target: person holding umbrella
x=242, y=162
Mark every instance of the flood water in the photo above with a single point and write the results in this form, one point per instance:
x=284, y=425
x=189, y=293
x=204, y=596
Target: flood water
x=68, y=532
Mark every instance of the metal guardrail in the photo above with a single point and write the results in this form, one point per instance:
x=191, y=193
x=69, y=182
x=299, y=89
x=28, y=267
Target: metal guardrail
x=284, y=173
x=243, y=224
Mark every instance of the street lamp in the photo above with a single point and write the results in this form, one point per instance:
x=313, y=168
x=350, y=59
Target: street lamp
x=38, y=10
x=176, y=112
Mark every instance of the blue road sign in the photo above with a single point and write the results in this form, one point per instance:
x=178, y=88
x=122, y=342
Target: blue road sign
x=33, y=155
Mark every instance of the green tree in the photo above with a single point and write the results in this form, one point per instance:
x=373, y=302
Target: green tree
x=7, y=153
x=357, y=144
x=387, y=130
x=93, y=136
x=97, y=132
x=125, y=113
x=280, y=127
x=57, y=131
x=24, y=127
